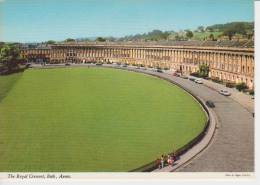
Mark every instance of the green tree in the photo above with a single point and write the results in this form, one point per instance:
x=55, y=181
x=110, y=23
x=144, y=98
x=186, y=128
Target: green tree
x=10, y=56
x=241, y=86
x=211, y=37
x=189, y=34
x=203, y=70
x=1, y=44
x=100, y=39
x=209, y=29
x=70, y=40
x=201, y=29
x=177, y=37
x=229, y=32
x=50, y=42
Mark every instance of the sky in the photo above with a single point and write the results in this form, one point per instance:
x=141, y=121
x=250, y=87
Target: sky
x=42, y=20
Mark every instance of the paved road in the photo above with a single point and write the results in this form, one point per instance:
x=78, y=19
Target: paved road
x=244, y=99
x=232, y=147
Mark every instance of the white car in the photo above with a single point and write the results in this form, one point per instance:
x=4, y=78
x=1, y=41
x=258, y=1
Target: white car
x=198, y=81
x=225, y=92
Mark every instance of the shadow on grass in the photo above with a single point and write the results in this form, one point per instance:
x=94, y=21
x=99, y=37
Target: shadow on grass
x=7, y=82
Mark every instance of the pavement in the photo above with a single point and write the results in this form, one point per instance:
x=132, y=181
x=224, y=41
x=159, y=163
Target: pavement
x=232, y=147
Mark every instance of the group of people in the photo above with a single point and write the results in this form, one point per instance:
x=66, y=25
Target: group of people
x=166, y=160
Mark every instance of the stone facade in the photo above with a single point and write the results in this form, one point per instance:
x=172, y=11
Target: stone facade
x=225, y=63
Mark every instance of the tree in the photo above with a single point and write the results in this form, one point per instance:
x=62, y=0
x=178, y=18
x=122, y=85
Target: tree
x=201, y=29
x=236, y=28
x=50, y=42
x=241, y=86
x=100, y=39
x=209, y=29
x=177, y=37
x=2, y=44
x=111, y=39
x=189, y=34
x=250, y=35
x=70, y=40
x=203, y=70
x=211, y=37
x=10, y=56
x=229, y=32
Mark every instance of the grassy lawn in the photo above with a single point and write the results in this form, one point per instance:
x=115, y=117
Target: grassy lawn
x=96, y=119
x=7, y=82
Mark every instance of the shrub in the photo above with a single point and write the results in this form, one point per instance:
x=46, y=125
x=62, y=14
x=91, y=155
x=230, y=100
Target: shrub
x=166, y=68
x=251, y=92
x=245, y=90
x=217, y=80
x=230, y=84
x=241, y=86
x=196, y=74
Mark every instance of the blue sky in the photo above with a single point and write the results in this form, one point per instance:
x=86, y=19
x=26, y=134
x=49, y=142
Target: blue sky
x=41, y=20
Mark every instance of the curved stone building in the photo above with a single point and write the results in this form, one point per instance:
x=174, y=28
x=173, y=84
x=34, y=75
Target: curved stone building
x=233, y=63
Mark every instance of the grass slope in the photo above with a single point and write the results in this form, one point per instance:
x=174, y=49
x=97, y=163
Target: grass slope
x=93, y=119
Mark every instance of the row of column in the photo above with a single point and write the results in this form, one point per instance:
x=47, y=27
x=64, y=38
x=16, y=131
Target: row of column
x=228, y=61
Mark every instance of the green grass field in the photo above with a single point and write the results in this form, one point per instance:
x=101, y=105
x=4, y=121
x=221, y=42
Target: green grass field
x=203, y=35
x=96, y=119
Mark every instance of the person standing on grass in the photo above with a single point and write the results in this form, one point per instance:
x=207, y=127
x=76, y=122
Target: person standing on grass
x=158, y=163
x=162, y=161
x=169, y=159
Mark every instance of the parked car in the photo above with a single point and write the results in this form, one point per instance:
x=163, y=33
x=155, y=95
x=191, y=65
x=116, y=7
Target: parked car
x=210, y=104
x=125, y=65
x=198, y=81
x=225, y=92
x=159, y=71
x=28, y=65
x=184, y=77
x=192, y=79
x=67, y=64
x=99, y=64
x=176, y=74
